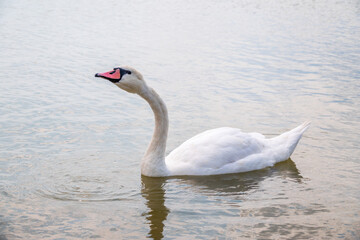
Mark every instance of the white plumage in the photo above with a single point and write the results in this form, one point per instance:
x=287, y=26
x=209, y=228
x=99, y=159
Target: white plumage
x=216, y=151
x=228, y=150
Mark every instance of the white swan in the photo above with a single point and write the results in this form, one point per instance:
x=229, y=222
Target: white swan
x=216, y=151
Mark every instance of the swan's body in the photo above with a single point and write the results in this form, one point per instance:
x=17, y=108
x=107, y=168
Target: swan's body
x=216, y=151
x=228, y=150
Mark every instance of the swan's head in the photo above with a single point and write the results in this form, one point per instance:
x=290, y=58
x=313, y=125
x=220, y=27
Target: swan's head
x=125, y=78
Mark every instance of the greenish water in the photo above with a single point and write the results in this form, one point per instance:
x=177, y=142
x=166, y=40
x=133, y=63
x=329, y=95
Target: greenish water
x=71, y=144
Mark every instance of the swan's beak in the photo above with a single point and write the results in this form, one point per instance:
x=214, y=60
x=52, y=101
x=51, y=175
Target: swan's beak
x=113, y=76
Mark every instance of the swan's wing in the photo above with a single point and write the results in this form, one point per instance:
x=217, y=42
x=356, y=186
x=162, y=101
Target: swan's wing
x=213, y=149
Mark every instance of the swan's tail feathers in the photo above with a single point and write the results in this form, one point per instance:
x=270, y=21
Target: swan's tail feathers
x=287, y=142
x=302, y=128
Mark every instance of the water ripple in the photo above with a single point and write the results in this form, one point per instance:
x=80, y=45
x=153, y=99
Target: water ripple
x=83, y=184
x=83, y=189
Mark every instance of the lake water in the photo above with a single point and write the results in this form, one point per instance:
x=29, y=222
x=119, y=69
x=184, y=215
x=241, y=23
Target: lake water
x=71, y=144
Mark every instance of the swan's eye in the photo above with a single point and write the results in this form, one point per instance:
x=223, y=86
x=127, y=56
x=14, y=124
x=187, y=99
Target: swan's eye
x=128, y=72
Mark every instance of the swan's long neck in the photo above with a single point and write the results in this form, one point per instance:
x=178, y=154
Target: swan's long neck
x=153, y=162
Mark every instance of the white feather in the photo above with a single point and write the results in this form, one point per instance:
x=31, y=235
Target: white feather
x=228, y=150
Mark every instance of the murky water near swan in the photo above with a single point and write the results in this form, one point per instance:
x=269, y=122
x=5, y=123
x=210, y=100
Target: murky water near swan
x=70, y=144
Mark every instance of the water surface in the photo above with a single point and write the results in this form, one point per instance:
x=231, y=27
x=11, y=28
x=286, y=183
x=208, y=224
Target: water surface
x=71, y=144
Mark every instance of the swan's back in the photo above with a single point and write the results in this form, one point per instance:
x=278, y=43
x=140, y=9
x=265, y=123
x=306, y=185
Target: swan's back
x=228, y=150
x=211, y=150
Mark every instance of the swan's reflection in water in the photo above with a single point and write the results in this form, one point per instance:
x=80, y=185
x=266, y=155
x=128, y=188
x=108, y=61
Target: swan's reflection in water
x=154, y=193
x=229, y=185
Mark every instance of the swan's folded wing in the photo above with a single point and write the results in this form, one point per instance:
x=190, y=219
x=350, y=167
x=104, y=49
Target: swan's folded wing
x=212, y=150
